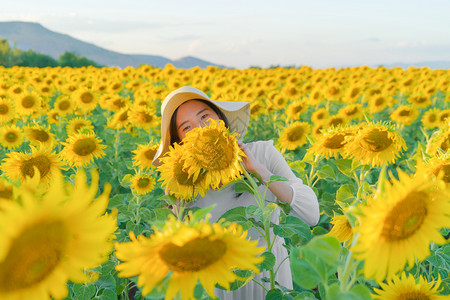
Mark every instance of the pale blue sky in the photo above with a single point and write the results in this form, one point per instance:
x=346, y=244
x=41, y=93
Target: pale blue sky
x=320, y=33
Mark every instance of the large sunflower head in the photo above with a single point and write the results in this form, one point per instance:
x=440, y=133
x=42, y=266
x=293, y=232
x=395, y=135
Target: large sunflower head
x=19, y=166
x=189, y=252
x=214, y=150
x=143, y=156
x=332, y=141
x=400, y=222
x=55, y=238
x=375, y=144
x=85, y=99
x=294, y=135
x=82, y=148
x=28, y=103
x=404, y=115
x=295, y=108
x=64, y=105
x=77, y=123
x=11, y=136
x=176, y=180
x=407, y=287
x=143, y=117
x=38, y=135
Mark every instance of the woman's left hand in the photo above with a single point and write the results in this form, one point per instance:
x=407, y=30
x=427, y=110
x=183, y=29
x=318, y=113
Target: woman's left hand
x=250, y=164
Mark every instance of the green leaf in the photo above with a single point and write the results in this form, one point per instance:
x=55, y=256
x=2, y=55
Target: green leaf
x=253, y=210
x=243, y=187
x=324, y=247
x=268, y=263
x=201, y=213
x=294, y=229
x=303, y=273
x=327, y=204
x=305, y=296
x=345, y=195
x=345, y=166
x=326, y=172
x=440, y=258
x=277, y=294
x=169, y=199
x=275, y=178
x=83, y=291
x=286, y=207
x=108, y=294
x=361, y=292
x=237, y=215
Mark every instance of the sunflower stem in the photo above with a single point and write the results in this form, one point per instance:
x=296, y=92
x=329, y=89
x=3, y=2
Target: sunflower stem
x=259, y=283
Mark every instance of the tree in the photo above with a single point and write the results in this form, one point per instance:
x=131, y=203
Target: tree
x=70, y=59
x=33, y=59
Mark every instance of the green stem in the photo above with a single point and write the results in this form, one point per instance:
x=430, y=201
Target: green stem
x=262, y=285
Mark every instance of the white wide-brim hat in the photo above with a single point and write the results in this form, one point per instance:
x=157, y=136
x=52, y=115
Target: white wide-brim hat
x=237, y=113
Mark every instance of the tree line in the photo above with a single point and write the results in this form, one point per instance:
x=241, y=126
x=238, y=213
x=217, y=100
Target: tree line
x=16, y=57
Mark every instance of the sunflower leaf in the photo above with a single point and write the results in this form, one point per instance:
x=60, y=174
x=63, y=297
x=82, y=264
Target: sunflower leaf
x=275, y=178
x=268, y=262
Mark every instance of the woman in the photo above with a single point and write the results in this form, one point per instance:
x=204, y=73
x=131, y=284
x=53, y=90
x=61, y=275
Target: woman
x=187, y=108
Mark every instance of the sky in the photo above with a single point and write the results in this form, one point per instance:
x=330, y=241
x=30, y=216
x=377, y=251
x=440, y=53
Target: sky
x=241, y=34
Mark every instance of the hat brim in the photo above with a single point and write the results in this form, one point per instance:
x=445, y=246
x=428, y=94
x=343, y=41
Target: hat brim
x=237, y=113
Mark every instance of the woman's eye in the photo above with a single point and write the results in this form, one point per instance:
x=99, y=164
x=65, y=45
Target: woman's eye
x=186, y=128
x=204, y=116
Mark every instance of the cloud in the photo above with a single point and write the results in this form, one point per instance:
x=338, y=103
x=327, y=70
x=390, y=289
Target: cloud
x=242, y=46
x=194, y=45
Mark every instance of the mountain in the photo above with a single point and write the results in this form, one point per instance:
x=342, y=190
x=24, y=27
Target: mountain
x=34, y=36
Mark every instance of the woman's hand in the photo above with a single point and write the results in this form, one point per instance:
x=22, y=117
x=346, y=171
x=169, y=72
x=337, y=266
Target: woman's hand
x=250, y=164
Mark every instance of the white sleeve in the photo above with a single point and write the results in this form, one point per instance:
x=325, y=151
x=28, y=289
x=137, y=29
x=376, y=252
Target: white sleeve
x=304, y=202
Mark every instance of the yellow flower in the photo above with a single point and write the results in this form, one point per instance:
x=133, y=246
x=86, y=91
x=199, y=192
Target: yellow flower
x=142, y=184
x=342, y=229
x=375, y=144
x=120, y=119
x=77, y=123
x=352, y=112
x=320, y=116
x=430, y=118
x=54, y=239
x=189, y=253
x=212, y=149
x=399, y=224
x=332, y=141
x=439, y=166
x=6, y=191
x=439, y=139
x=143, y=156
x=85, y=99
x=378, y=102
x=81, y=149
x=64, y=105
x=28, y=103
x=407, y=287
x=6, y=110
x=294, y=135
x=38, y=135
x=404, y=115
x=295, y=108
x=176, y=180
x=143, y=117
x=19, y=165
x=419, y=101
x=11, y=137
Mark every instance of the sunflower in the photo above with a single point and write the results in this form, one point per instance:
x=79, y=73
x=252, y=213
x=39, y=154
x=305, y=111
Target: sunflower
x=38, y=135
x=335, y=121
x=143, y=156
x=176, y=180
x=75, y=124
x=188, y=253
x=400, y=222
x=11, y=137
x=54, y=239
x=430, y=118
x=6, y=191
x=294, y=135
x=342, y=229
x=85, y=99
x=352, y=93
x=142, y=184
x=378, y=102
x=6, y=110
x=120, y=119
x=331, y=141
x=439, y=166
x=407, y=287
x=320, y=116
x=19, y=165
x=419, y=101
x=404, y=115
x=439, y=139
x=352, y=112
x=295, y=108
x=143, y=117
x=214, y=150
x=64, y=105
x=375, y=144
x=28, y=103
x=81, y=149
x=443, y=115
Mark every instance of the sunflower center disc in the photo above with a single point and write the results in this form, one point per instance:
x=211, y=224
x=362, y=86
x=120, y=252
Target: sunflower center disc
x=149, y=154
x=84, y=147
x=213, y=153
x=41, y=162
x=413, y=295
x=40, y=135
x=295, y=134
x=63, y=105
x=33, y=255
x=143, y=182
x=336, y=141
x=86, y=97
x=194, y=256
x=377, y=140
x=28, y=102
x=4, y=109
x=6, y=193
x=11, y=137
x=406, y=217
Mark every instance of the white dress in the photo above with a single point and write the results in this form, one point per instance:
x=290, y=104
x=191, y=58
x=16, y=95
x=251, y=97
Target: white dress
x=304, y=205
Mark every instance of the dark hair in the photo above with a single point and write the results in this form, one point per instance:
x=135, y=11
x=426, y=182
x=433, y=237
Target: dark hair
x=174, y=138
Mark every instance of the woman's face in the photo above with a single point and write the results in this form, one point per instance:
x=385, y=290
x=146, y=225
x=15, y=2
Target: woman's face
x=192, y=114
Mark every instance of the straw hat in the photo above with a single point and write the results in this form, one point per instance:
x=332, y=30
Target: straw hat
x=237, y=113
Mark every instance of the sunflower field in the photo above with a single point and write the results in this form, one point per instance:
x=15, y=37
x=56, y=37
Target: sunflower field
x=84, y=215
